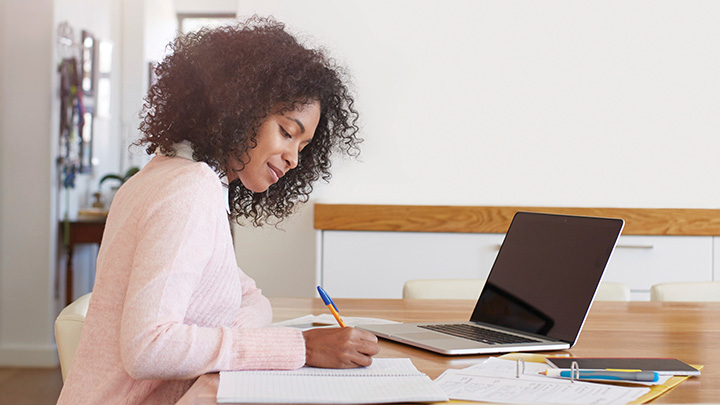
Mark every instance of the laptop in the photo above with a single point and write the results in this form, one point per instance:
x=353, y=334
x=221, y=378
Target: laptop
x=537, y=294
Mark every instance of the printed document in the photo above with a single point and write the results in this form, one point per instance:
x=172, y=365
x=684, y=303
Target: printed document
x=498, y=380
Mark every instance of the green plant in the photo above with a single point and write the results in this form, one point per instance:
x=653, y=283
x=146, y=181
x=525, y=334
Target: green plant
x=129, y=173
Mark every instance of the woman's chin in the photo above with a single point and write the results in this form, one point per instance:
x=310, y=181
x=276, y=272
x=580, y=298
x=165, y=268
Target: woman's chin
x=257, y=188
x=254, y=184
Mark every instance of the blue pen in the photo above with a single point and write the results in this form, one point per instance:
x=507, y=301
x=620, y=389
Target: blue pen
x=604, y=375
x=331, y=305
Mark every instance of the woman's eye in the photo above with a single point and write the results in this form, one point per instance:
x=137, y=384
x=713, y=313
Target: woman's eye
x=285, y=133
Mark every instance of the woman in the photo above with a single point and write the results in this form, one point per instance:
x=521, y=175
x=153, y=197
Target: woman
x=243, y=108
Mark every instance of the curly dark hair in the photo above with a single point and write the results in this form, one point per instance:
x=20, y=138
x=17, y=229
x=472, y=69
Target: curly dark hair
x=217, y=86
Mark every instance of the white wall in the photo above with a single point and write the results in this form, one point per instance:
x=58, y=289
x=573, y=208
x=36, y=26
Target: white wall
x=280, y=260
x=27, y=233
x=595, y=103
x=205, y=6
x=2, y=144
x=133, y=74
x=147, y=27
x=160, y=28
x=609, y=103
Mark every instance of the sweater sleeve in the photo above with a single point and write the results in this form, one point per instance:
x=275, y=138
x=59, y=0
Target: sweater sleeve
x=175, y=242
x=255, y=310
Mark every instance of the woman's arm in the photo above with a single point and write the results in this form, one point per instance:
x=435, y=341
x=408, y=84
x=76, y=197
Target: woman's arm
x=176, y=240
x=256, y=310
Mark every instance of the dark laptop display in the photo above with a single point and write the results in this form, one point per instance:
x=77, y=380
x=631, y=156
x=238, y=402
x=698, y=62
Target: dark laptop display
x=546, y=273
x=539, y=289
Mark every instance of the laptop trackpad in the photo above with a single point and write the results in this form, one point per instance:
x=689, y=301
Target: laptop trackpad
x=419, y=335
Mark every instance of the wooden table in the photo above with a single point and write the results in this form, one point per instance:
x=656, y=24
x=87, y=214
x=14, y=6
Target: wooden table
x=688, y=331
x=80, y=231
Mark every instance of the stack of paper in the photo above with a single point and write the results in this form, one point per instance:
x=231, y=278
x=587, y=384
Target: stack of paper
x=386, y=381
x=498, y=380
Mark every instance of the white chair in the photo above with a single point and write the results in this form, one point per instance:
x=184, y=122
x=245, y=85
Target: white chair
x=610, y=291
x=68, y=327
x=699, y=291
x=460, y=288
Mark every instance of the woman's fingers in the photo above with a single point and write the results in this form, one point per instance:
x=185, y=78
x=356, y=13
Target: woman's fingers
x=339, y=347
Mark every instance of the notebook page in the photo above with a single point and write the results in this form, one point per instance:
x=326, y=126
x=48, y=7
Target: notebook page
x=328, y=390
x=379, y=367
x=387, y=380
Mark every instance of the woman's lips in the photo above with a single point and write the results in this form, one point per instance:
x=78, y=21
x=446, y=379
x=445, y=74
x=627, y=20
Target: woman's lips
x=275, y=173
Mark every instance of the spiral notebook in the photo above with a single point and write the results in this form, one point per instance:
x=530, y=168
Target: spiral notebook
x=385, y=381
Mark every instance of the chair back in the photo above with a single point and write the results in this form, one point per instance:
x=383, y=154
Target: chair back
x=610, y=291
x=68, y=327
x=699, y=291
x=460, y=288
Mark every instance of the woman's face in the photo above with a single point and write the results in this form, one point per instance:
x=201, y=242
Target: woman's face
x=280, y=139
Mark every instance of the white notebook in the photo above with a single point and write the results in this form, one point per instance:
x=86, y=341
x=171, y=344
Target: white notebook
x=385, y=381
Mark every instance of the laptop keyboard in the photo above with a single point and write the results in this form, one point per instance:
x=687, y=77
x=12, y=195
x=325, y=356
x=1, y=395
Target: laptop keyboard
x=478, y=334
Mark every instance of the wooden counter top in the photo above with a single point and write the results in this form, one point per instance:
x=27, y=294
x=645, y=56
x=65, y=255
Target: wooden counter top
x=487, y=219
x=687, y=331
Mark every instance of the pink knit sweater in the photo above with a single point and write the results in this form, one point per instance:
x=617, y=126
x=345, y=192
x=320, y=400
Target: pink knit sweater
x=169, y=302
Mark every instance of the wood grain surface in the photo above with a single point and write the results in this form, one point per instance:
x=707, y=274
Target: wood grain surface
x=488, y=219
x=688, y=331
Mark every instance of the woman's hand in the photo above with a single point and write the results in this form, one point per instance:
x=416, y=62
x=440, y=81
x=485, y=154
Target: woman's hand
x=339, y=347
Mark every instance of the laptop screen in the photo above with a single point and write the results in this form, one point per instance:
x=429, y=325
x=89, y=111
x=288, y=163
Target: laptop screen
x=546, y=273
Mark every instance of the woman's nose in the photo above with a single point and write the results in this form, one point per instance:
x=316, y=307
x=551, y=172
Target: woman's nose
x=291, y=158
